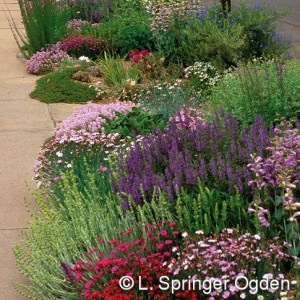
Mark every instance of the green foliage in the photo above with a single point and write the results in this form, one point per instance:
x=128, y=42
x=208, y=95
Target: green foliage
x=270, y=89
x=212, y=210
x=59, y=87
x=116, y=73
x=127, y=30
x=202, y=41
x=69, y=226
x=135, y=122
x=167, y=98
x=45, y=23
x=259, y=26
x=80, y=158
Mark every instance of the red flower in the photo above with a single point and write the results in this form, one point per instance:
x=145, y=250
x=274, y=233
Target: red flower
x=144, y=52
x=136, y=58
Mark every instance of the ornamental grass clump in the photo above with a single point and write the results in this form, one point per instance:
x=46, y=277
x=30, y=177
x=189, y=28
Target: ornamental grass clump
x=190, y=150
x=233, y=259
x=46, y=60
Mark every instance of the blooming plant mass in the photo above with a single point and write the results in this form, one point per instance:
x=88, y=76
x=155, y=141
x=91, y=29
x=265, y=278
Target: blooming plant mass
x=178, y=176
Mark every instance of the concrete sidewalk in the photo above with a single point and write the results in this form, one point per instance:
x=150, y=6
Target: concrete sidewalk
x=24, y=125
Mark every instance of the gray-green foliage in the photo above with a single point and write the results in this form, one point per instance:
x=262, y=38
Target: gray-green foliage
x=67, y=228
x=270, y=89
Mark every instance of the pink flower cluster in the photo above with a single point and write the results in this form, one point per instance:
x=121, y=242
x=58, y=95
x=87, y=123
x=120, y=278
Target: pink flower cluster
x=74, y=25
x=136, y=55
x=226, y=256
x=98, y=276
x=46, y=59
x=281, y=169
x=85, y=124
x=83, y=128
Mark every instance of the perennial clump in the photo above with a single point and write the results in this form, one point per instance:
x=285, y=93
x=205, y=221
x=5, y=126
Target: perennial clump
x=190, y=149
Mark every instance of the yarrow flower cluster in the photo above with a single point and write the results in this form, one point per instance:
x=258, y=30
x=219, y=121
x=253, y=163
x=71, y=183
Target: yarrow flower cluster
x=83, y=128
x=46, y=59
x=163, y=12
x=136, y=55
x=203, y=75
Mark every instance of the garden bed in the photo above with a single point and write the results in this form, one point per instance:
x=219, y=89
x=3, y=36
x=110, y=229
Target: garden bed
x=182, y=163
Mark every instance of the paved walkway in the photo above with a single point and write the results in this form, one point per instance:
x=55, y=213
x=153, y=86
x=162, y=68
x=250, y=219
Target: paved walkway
x=24, y=125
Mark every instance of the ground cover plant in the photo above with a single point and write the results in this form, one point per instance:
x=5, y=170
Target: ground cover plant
x=189, y=168
x=59, y=87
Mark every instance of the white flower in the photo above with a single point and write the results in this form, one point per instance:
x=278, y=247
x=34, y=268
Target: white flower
x=260, y=297
x=84, y=58
x=199, y=232
x=185, y=234
x=257, y=237
x=69, y=166
x=59, y=154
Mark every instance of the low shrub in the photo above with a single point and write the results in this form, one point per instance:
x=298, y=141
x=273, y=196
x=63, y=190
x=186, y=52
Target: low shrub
x=180, y=45
x=259, y=23
x=46, y=60
x=190, y=149
x=59, y=87
x=270, y=89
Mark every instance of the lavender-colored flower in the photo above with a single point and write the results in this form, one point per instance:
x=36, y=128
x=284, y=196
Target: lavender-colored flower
x=174, y=158
x=68, y=272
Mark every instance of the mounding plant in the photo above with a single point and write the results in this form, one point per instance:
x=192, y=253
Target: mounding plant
x=59, y=87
